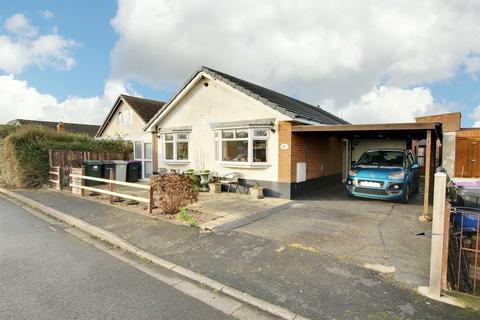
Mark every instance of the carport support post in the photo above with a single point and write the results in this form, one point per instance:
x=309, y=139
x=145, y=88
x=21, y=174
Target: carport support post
x=438, y=230
x=426, y=194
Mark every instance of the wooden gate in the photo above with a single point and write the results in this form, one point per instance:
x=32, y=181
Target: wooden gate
x=467, y=157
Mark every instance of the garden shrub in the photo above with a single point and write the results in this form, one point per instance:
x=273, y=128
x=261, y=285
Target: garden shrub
x=173, y=191
x=24, y=152
x=5, y=130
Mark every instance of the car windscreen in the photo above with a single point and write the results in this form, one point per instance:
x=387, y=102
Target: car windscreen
x=383, y=158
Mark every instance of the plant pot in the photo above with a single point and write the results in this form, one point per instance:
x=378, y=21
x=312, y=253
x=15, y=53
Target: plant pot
x=256, y=192
x=215, y=187
x=204, y=180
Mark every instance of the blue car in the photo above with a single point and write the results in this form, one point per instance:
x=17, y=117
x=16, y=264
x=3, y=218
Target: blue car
x=386, y=174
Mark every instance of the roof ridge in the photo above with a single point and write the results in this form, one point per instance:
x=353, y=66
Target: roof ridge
x=52, y=121
x=141, y=98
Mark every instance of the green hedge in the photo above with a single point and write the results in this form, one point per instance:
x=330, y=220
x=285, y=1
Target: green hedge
x=24, y=152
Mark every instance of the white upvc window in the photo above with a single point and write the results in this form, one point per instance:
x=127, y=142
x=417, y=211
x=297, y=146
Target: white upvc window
x=143, y=152
x=242, y=146
x=175, y=146
x=124, y=118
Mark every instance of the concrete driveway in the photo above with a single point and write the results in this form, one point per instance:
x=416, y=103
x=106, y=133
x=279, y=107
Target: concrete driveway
x=370, y=233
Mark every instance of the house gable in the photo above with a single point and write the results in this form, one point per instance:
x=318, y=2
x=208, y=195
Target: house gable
x=210, y=105
x=140, y=110
x=112, y=127
x=292, y=108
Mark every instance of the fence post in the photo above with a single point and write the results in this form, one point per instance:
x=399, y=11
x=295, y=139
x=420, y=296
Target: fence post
x=60, y=178
x=150, y=197
x=438, y=229
x=111, y=185
x=82, y=183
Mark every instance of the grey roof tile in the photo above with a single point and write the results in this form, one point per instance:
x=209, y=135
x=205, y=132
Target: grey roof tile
x=146, y=108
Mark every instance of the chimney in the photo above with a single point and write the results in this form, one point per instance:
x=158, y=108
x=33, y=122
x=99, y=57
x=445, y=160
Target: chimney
x=60, y=127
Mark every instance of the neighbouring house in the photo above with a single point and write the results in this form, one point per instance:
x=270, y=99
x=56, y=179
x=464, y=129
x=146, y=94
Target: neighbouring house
x=459, y=153
x=87, y=129
x=126, y=120
x=225, y=124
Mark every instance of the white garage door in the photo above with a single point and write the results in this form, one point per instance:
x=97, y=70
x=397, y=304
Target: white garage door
x=360, y=146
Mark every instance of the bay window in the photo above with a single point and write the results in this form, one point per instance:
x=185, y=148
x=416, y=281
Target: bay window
x=175, y=146
x=243, y=146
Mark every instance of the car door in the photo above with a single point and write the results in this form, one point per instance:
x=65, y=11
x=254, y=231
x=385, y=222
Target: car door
x=415, y=170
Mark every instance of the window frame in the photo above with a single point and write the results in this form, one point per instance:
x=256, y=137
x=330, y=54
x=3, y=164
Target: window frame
x=174, y=143
x=121, y=117
x=144, y=158
x=219, y=139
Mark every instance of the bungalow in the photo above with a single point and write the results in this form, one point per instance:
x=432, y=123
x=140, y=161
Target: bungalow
x=225, y=124
x=126, y=120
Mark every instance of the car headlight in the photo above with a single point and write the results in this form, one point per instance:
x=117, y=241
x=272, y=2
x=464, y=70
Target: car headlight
x=352, y=173
x=396, y=175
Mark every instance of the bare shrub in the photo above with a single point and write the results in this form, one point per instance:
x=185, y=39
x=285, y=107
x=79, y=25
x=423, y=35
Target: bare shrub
x=173, y=191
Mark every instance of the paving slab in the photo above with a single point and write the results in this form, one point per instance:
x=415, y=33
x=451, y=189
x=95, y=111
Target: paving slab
x=307, y=282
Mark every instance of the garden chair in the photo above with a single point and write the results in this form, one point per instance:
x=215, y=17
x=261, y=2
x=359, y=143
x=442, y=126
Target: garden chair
x=231, y=180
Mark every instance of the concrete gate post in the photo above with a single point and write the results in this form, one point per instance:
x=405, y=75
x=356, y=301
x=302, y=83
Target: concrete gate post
x=438, y=236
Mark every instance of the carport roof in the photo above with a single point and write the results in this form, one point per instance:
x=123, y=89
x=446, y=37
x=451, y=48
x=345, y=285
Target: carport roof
x=392, y=130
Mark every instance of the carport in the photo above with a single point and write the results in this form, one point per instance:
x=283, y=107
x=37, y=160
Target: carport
x=321, y=155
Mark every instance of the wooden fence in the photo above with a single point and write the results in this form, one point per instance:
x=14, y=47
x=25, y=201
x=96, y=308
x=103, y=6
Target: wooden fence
x=55, y=177
x=77, y=183
x=76, y=158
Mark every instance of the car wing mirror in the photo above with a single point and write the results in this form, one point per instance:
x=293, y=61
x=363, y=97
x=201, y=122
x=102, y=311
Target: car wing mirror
x=415, y=166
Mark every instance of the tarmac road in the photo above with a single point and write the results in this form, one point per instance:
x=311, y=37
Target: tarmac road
x=46, y=273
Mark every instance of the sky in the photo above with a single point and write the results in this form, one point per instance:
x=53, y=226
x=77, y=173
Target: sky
x=366, y=61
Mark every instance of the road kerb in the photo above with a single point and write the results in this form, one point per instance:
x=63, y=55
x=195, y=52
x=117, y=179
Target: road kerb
x=127, y=246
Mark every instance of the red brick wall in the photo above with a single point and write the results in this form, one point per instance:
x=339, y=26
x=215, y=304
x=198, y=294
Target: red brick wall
x=450, y=121
x=322, y=153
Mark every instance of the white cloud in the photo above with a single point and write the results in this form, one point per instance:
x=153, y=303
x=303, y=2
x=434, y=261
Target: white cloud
x=19, y=25
x=19, y=100
x=476, y=116
x=24, y=47
x=46, y=14
x=388, y=104
x=318, y=51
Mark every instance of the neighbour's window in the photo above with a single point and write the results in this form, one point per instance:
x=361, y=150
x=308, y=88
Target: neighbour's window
x=175, y=146
x=241, y=145
x=148, y=151
x=138, y=150
x=124, y=117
